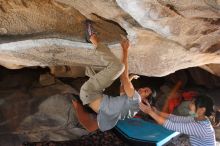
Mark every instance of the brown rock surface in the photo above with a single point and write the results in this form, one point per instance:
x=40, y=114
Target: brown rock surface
x=165, y=35
x=32, y=112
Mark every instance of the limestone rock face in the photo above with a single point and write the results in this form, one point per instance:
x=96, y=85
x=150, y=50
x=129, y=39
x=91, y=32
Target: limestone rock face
x=165, y=35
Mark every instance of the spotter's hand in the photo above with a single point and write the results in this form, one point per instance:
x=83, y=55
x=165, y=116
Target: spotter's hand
x=146, y=108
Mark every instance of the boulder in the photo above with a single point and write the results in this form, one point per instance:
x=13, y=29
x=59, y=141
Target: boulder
x=165, y=36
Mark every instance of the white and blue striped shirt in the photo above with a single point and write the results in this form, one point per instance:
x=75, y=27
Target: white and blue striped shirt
x=201, y=133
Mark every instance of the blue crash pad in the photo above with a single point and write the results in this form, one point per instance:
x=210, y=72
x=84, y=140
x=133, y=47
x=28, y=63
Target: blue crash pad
x=136, y=129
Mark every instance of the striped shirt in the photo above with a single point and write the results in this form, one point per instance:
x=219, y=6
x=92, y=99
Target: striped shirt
x=201, y=133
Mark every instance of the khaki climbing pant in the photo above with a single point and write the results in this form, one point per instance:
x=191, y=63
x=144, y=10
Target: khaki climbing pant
x=94, y=87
